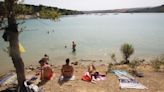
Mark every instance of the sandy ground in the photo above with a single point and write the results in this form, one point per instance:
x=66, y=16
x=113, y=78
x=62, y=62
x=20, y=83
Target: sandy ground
x=153, y=80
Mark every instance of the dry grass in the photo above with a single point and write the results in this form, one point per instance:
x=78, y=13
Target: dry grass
x=153, y=80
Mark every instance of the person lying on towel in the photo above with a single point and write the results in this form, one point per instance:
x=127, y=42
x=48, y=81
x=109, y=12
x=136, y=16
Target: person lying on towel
x=92, y=75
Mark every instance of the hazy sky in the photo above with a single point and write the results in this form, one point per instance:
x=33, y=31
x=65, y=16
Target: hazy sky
x=96, y=4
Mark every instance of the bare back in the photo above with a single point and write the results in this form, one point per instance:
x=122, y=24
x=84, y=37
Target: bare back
x=67, y=71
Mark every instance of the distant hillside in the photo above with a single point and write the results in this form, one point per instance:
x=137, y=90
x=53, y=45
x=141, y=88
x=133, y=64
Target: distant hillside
x=158, y=9
x=33, y=9
x=44, y=10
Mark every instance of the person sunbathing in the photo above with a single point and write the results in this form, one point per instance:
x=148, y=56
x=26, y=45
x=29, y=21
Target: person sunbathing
x=97, y=76
x=88, y=76
x=92, y=75
x=67, y=71
x=91, y=68
x=46, y=71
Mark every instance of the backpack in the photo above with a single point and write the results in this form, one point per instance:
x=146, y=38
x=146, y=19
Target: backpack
x=29, y=87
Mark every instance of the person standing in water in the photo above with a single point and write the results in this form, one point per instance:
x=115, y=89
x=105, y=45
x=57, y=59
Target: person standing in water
x=73, y=46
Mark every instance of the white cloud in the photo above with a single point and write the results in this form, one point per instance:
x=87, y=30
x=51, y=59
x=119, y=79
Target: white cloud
x=97, y=4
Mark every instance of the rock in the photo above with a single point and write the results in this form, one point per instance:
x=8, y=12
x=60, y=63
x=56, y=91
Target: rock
x=75, y=63
x=100, y=60
x=94, y=61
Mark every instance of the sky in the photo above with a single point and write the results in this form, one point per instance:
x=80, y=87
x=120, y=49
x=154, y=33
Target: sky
x=96, y=4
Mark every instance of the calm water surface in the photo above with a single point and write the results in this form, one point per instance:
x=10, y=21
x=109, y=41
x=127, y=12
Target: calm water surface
x=96, y=36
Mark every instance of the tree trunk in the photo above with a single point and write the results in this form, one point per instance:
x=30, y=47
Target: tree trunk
x=16, y=57
x=126, y=60
x=14, y=42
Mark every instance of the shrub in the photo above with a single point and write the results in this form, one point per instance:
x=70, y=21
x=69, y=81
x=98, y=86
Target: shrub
x=127, y=50
x=109, y=67
x=113, y=57
x=156, y=63
x=161, y=59
x=134, y=64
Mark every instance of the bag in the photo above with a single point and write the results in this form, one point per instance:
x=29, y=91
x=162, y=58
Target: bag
x=31, y=87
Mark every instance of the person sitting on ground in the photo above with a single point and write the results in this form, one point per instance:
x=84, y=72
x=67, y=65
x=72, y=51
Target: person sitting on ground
x=91, y=68
x=67, y=71
x=92, y=75
x=46, y=70
x=46, y=57
x=88, y=75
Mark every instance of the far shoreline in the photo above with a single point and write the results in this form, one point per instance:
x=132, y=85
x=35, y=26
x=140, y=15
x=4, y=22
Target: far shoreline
x=81, y=61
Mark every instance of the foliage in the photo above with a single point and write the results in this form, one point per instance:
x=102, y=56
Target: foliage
x=162, y=59
x=46, y=14
x=122, y=62
x=156, y=63
x=46, y=11
x=11, y=34
x=127, y=50
x=23, y=9
x=109, y=67
x=133, y=64
x=113, y=57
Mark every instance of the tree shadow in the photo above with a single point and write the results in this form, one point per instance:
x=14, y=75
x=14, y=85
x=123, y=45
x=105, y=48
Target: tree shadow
x=12, y=89
x=61, y=82
x=42, y=83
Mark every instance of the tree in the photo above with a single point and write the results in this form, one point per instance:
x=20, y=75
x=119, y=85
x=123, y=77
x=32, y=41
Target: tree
x=127, y=50
x=11, y=35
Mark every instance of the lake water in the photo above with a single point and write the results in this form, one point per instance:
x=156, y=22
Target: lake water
x=96, y=36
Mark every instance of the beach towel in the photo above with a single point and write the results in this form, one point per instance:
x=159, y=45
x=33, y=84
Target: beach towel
x=128, y=81
x=9, y=78
x=122, y=74
x=131, y=83
x=97, y=77
x=62, y=78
